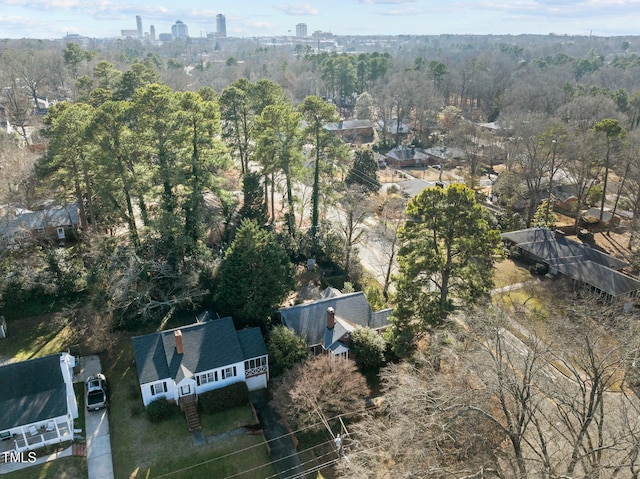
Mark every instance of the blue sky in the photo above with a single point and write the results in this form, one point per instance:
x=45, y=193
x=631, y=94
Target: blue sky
x=105, y=18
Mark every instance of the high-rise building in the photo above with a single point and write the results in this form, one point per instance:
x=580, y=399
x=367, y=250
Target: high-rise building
x=179, y=31
x=152, y=33
x=301, y=30
x=139, y=25
x=221, y=26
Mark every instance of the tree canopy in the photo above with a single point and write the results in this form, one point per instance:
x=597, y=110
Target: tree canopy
x=255, y=275
x=447, y=254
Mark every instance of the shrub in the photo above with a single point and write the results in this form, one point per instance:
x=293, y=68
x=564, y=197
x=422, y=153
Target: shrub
x=368, y=348
x=160, y=410
x=224, y=398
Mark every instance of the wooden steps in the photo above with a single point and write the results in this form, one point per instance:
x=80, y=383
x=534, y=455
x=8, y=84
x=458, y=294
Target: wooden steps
x=189, y=406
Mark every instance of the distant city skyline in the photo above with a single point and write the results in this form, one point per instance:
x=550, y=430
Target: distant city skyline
x=247, y=18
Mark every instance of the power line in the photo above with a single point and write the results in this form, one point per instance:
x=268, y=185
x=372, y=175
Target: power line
x=277, y=460
x=263, y=443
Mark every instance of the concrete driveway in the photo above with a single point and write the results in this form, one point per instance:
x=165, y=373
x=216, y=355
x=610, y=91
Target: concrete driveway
x=99, y=462
x=284, y=456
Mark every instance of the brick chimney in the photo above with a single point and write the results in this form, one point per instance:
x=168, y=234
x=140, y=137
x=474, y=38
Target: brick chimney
x=178, y=337
x=331, y=318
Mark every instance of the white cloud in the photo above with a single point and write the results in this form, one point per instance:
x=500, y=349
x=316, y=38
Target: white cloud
x=297, y=9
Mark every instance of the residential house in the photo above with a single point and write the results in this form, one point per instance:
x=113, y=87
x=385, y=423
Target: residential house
x=591, y=218
x=184, y=362
x=406, y=157
x=578, y=261
x=55, y=223
x=326, y=324
x=352, y=131
x=37, y=403
x=393, y=127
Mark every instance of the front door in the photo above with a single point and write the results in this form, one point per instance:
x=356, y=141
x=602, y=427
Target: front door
x=61, y=233
x=185, y=390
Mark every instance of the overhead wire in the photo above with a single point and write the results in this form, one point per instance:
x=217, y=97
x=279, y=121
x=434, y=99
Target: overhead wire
x=263, y=443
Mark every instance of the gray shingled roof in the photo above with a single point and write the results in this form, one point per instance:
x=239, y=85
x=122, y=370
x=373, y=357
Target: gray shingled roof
x=576, y=260
x=309, y=320
x=208, y=345
x=31, y=391
x=543, y=243
x=601, y=277
x=26, y=220
x=252, y=343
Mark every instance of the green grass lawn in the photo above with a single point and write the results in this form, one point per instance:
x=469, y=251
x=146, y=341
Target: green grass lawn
x=63, y=468
x=142, y=449
x=37, y=336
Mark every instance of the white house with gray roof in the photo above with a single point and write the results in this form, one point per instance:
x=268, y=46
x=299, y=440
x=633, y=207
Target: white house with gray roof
x=326, y=324
x=190, y=360
x=37, y=403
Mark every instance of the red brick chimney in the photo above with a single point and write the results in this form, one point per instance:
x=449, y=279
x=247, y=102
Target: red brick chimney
x=179, y=347
x=331, y=318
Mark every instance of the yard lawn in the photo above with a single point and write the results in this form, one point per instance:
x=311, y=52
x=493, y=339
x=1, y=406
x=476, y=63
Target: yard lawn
x=510, y=272
x=144, y=449
x=315, y=449
x=37, y=336
x=63, y=468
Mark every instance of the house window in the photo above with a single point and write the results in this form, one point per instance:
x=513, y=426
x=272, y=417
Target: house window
x=228, y=372
x=159, y=388
x=205, y=378
x=40, y=231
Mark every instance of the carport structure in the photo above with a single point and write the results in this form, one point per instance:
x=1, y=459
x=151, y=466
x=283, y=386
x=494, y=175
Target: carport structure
x=578, y=261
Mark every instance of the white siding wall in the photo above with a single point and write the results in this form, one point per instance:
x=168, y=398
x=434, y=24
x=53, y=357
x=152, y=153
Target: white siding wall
x=156, y=390
x=213, y=379
x=67, y=363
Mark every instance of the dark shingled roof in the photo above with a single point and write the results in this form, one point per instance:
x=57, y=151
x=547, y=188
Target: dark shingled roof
x=601, y=277
x=252, y=343
x=208, y=345
x=309, y=320
x=576, y=260
x=32, y=391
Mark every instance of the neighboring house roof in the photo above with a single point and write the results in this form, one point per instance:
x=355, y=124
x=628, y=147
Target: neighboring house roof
x=605, y=279
x=26, y=220
x=32, y=391
x=309, y=320
x=576, y=260
x=543, y=243
x=448, y=153
x=392, y=125
x=207, y=345
x=406, y=154
x=593, y=216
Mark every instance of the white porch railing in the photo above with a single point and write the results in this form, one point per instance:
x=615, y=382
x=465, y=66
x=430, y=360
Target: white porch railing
x=255, y=371
x=25, y=438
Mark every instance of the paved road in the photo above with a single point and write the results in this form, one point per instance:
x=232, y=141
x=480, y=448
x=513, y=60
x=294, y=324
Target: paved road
x=284, y=456
x=99, y=461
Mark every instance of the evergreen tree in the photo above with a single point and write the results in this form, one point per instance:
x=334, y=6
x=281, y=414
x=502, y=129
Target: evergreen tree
x=364, y=171
x=448, y=250
x=286, y=349
x=255, y=276
x=368, y=348
x=253, y=207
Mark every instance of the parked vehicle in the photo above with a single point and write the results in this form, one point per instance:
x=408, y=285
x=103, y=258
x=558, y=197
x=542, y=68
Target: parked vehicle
x=96, y=392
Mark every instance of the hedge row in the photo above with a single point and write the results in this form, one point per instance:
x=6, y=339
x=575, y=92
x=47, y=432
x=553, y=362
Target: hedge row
x=224, y=398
